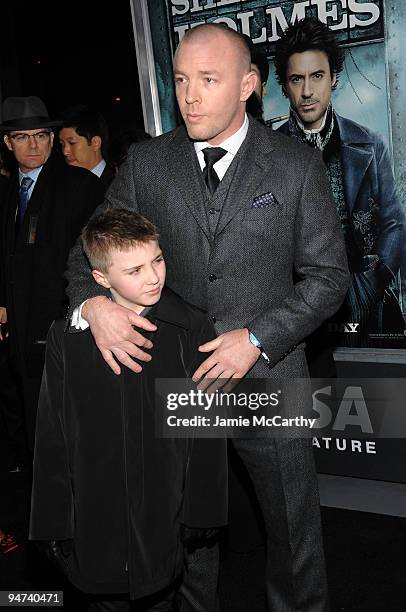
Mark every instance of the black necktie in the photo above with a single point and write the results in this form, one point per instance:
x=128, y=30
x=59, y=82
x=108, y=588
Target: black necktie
x=211, y=156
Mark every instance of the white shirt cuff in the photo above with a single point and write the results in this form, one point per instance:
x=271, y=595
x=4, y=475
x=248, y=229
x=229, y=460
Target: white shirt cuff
x=77, y=320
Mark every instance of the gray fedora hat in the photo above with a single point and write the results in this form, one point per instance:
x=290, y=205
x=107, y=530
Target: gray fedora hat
x=26, y=114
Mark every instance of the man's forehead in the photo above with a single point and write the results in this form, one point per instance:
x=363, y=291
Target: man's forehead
x=205, y=62
x=311, y=60
x=69, y=131
x=29, y=132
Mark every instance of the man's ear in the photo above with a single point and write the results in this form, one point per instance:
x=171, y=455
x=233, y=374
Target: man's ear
x=248, y=85
x=7, y=142
x=333, y=79
x=101, y=279
x=96, y=143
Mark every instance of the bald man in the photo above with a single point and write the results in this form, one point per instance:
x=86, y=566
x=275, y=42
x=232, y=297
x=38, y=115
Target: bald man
x=250, y=234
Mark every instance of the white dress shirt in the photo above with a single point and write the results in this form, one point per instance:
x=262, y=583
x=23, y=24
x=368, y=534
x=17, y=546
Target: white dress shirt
x=231, y=145
x=98, y=170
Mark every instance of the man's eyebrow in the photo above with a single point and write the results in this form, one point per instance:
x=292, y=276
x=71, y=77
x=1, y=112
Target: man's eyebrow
x=206, y=72
x=203, y=72
x=300, y=74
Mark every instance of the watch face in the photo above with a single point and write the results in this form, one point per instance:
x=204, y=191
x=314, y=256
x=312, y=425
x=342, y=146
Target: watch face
x=254, y=340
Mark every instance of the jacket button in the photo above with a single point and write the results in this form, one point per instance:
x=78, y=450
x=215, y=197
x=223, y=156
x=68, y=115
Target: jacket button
x=213, y=319
x=212, y=277
x=212, y=211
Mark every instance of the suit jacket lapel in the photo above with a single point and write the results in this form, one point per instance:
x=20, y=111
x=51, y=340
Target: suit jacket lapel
x=254, y=158
x=184, y=172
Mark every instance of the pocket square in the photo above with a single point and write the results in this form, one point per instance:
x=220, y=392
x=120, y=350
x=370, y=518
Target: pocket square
x=264, y=200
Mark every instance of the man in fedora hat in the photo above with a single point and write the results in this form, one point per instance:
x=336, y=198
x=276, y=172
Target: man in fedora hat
x=43, y=210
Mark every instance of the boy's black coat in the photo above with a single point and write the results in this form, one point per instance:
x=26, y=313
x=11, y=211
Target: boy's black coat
x=123, y=509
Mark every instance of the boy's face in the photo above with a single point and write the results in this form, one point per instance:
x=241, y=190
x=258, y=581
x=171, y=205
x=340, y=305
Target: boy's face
x=136, y=276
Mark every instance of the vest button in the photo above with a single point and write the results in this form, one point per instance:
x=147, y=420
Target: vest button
x=212, y=277
x=212, y=211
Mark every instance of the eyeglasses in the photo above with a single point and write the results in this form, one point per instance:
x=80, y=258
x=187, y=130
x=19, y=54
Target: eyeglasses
x=24, y=138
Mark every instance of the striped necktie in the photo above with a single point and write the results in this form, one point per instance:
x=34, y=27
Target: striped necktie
x=23, y=198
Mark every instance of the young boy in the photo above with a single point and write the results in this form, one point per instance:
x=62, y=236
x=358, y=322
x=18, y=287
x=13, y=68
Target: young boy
x=112, y=497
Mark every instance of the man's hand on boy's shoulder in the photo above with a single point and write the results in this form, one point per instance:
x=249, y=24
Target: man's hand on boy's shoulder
x=114, y=334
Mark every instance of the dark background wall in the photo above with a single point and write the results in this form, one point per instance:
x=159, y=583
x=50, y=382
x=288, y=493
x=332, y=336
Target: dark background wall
x=77, y=52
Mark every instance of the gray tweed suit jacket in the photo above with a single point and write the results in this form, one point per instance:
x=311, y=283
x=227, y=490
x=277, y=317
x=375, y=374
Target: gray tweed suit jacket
x=276, y=262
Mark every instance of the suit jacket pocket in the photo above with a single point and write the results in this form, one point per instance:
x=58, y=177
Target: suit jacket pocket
x=264, y=200
x=261, y=214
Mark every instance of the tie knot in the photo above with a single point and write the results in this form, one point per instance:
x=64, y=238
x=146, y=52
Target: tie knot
x=26, y=183
x=213, y=155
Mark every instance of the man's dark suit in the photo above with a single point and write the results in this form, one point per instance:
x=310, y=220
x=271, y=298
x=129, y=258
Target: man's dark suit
x=277, y=220
x=34, y=261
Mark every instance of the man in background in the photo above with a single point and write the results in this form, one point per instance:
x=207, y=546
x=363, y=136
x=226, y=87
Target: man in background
x=84, y=141
x=44, y=208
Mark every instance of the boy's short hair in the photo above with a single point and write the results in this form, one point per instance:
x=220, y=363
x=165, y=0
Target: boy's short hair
x=115, y=228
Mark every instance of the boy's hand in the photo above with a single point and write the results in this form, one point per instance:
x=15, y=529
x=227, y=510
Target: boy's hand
x=111, y=326
x=233, y=356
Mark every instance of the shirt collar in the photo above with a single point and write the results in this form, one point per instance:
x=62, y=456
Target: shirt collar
x=98, y=170
x=32, y=174
x=232, y=143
